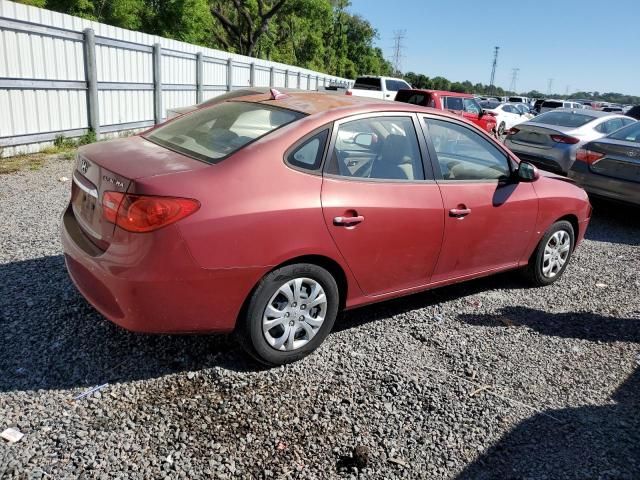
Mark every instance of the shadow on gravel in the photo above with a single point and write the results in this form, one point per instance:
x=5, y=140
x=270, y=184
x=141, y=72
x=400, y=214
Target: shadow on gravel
x=614, y=223
x=51, y=338
x=588, y=442
x=599, y=442
x=581, y=325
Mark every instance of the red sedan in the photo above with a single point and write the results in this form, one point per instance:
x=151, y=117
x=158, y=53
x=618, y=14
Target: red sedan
x=267, y=214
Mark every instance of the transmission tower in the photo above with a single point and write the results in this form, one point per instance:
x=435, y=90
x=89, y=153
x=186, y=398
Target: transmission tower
x=549, y=86
x=493, y=69
x=398, y=47
x=514, y=79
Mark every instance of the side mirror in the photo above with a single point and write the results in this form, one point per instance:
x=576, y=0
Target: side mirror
x=363, y=139
x=527, y=172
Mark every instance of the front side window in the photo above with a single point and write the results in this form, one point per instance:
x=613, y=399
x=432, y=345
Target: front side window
x=453, y=103
x=213, y=133
x=471, y=106
x=377, y=148
x=465, y=155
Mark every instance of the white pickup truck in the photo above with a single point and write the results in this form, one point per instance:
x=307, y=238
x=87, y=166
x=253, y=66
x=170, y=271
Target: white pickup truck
x=384, y=88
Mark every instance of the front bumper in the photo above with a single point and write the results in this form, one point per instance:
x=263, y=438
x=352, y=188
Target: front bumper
x=150, y=283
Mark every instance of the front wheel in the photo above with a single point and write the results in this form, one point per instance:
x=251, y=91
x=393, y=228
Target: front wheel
x=290, y=313
x=552, y=254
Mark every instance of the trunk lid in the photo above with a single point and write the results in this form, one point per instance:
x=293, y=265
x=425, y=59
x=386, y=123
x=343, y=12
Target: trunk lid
x=538, y=136
x=621, y=160
x=114, y=166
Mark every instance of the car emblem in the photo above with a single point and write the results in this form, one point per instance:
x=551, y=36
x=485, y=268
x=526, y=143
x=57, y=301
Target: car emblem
x=84, y=165
x=633, y=153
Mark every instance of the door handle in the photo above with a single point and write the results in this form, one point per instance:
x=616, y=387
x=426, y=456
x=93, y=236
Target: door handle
x=348, y=221
x=459, y=212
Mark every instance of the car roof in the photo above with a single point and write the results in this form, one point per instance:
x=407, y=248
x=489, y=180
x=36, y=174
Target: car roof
x=339, y=105
x=586, y=112
x=441, y=92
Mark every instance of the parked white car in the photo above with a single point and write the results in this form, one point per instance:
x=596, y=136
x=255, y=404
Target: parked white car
x=549, y=105
x=506, y=115
x=383, y=88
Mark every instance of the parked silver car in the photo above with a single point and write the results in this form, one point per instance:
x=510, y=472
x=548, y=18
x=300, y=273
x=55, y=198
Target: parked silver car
x=551, y=139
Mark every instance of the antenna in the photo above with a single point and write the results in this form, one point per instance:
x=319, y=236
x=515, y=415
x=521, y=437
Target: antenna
x=398, y=47
x=493, y=69
x=514, y=79
x=549, y=86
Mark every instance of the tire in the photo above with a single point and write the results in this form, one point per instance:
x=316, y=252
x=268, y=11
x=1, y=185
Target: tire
x=501, y=129
x=543, y=271
x=278, y=327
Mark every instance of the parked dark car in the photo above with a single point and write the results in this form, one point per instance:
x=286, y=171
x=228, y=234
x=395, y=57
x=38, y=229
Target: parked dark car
x=610, y=167
x=634, y=112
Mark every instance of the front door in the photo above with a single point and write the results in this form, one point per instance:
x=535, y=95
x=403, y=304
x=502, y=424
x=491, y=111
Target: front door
x=385, y=217
x=489, y=218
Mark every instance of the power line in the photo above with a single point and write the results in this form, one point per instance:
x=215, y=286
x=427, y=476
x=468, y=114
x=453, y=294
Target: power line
x=398, y=48
x=514, y=79
x=493, y=69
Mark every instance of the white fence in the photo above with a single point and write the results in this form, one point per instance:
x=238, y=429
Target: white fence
x=64, y=75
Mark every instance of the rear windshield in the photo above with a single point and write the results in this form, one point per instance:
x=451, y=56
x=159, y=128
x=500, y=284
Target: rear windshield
x=489, y=105
x=515, y=99
x=368, y=83
x=630, y=133
x=410, y=96
x=552, y=104
x=564, y=119
x=214, y=133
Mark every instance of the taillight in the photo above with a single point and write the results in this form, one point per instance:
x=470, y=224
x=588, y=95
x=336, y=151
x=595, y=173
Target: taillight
x=513, y=131
x=143, y=213
x=565, y=139
x=348, y=92
x=588, y=156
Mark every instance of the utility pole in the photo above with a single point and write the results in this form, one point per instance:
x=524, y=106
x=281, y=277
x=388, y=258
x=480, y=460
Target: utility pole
x=549, y=86
x=514, y=79
x=566, y=91
x=398, y=47
x=493, y=69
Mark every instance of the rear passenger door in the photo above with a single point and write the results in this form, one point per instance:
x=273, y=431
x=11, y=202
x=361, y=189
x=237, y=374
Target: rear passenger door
x=489, y=217
x=385, y=215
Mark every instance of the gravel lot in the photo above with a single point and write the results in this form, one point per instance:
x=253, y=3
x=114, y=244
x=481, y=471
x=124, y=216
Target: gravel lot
x=487, y=380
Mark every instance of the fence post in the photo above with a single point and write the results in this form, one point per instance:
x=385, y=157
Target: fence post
x=299, y=80
x=317, y=82
x=272, y=77
x=252, y=74
x=91, y=76
x=229, y=74
x=157, y=83
x=199, y=77
x=286, y=78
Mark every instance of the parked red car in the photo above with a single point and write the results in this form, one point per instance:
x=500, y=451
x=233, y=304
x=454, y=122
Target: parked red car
x=267, y=214
x=460, y=103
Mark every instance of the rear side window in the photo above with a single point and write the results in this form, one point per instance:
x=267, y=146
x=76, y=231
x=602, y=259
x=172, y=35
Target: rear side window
x=213, y=133
x=309, y=154
x=452, y=103
x=368, y=83
x=564, y=119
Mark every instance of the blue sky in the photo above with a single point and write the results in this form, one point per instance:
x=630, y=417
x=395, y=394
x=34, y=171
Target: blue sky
x=574, y=42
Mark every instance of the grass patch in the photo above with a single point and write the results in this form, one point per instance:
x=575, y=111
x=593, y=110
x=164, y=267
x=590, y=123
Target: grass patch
x=21, y=162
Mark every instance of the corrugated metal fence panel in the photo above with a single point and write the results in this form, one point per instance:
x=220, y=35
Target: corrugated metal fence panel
x=34, y=56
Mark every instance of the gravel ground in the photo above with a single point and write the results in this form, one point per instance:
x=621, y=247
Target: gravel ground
x=487, y=380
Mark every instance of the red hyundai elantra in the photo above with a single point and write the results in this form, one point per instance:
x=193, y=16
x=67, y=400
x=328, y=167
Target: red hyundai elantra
x=269, y=213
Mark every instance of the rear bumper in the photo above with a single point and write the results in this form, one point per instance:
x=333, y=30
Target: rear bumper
x=150, y=283
x=607, y=187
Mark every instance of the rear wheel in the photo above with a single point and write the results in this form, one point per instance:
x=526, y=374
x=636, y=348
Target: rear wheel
x=501, y=128
x=290, y=313
x=552, y=254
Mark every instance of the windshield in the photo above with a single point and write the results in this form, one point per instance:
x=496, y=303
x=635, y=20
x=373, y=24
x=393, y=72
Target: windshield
x=564, y=119
x=213, y=133
x=630, y=133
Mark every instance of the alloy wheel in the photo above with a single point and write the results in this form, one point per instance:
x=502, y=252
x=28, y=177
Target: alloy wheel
x=556, y=253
